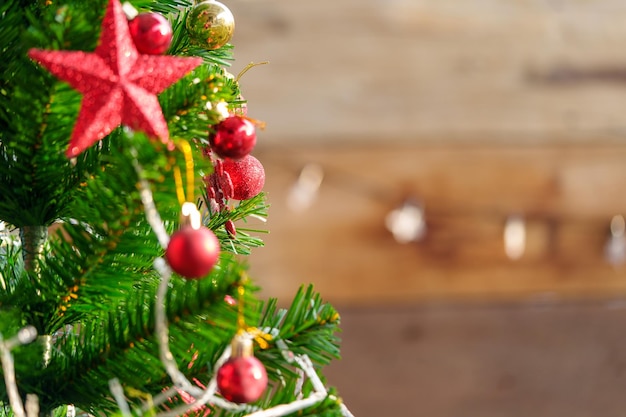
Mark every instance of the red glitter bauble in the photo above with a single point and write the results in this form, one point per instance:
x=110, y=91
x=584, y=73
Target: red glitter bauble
x=234, y=137
x=192, y=253
x=247, y=176
x=242, y=379
x=151, y=32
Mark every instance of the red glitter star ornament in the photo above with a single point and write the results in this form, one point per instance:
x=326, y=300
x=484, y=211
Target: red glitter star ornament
x=118, y=84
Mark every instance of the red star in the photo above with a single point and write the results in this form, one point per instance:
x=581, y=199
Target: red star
x=118, y=84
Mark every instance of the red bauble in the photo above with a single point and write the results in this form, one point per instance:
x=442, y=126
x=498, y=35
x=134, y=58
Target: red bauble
x=192, y=253
x=151, y=33
x=234, y=137
x=242, y=379
x=247, y=176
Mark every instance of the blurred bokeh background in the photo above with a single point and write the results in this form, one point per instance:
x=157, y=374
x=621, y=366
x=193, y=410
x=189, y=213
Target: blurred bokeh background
x=450, y=175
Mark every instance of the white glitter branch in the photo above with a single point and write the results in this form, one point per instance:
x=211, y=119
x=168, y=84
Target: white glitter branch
x=118, y=394
x=152, y=214
x=178, y=378
x=24, y=336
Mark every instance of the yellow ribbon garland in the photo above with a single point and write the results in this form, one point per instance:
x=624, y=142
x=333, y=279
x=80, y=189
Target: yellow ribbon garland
x=184, y=146
x=260, y=337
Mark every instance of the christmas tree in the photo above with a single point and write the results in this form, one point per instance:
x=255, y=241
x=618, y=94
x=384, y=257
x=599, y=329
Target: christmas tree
x=126, y=179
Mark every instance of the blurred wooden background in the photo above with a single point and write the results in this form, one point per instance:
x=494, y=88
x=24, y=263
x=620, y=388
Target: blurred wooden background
x=567, y=196
x=430, y=70
x=479, y=111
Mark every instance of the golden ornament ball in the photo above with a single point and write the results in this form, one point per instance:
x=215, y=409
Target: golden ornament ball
x=210, y=24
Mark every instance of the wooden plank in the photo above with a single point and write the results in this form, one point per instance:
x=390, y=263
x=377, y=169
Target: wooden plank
x=441, y=360
x=505, y=70
x=567, y=195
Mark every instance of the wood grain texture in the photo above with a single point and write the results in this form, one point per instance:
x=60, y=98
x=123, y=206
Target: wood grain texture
x=506, y=70
x=484, y=360
x=567, y=195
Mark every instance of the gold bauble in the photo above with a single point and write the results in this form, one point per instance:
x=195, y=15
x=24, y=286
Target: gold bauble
x=210, y=24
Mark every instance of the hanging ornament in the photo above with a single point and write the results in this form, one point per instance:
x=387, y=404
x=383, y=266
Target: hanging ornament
x=192, y=253
x=234, y=137
x=119, y=85
x=242, y=378
x=151, y=33
x=193, y=249
x=210, y=24
x=246, y=175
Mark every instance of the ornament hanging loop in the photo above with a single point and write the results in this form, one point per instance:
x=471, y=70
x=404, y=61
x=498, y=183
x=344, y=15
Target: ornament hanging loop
x=248, y=67
x=245, y=334
x=242, y=345
x=184, y=146
x=189, y=212
x=190, y=215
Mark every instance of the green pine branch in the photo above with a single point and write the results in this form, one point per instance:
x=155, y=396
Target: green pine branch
x=308, y=327
x=103, y=265
x=91, y=293
x=122, y=344
x=163, y=6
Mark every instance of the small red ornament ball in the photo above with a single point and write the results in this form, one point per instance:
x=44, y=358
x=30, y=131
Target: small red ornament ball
x=151, y=33
x=234, y=137
x=247, y=176
x=192, y=253
x=230, y=227
x=242, y=379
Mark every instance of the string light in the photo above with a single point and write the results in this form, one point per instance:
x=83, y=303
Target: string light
x=615, y=249
x=515, y=237
x=304, y=191
x=407, y=222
